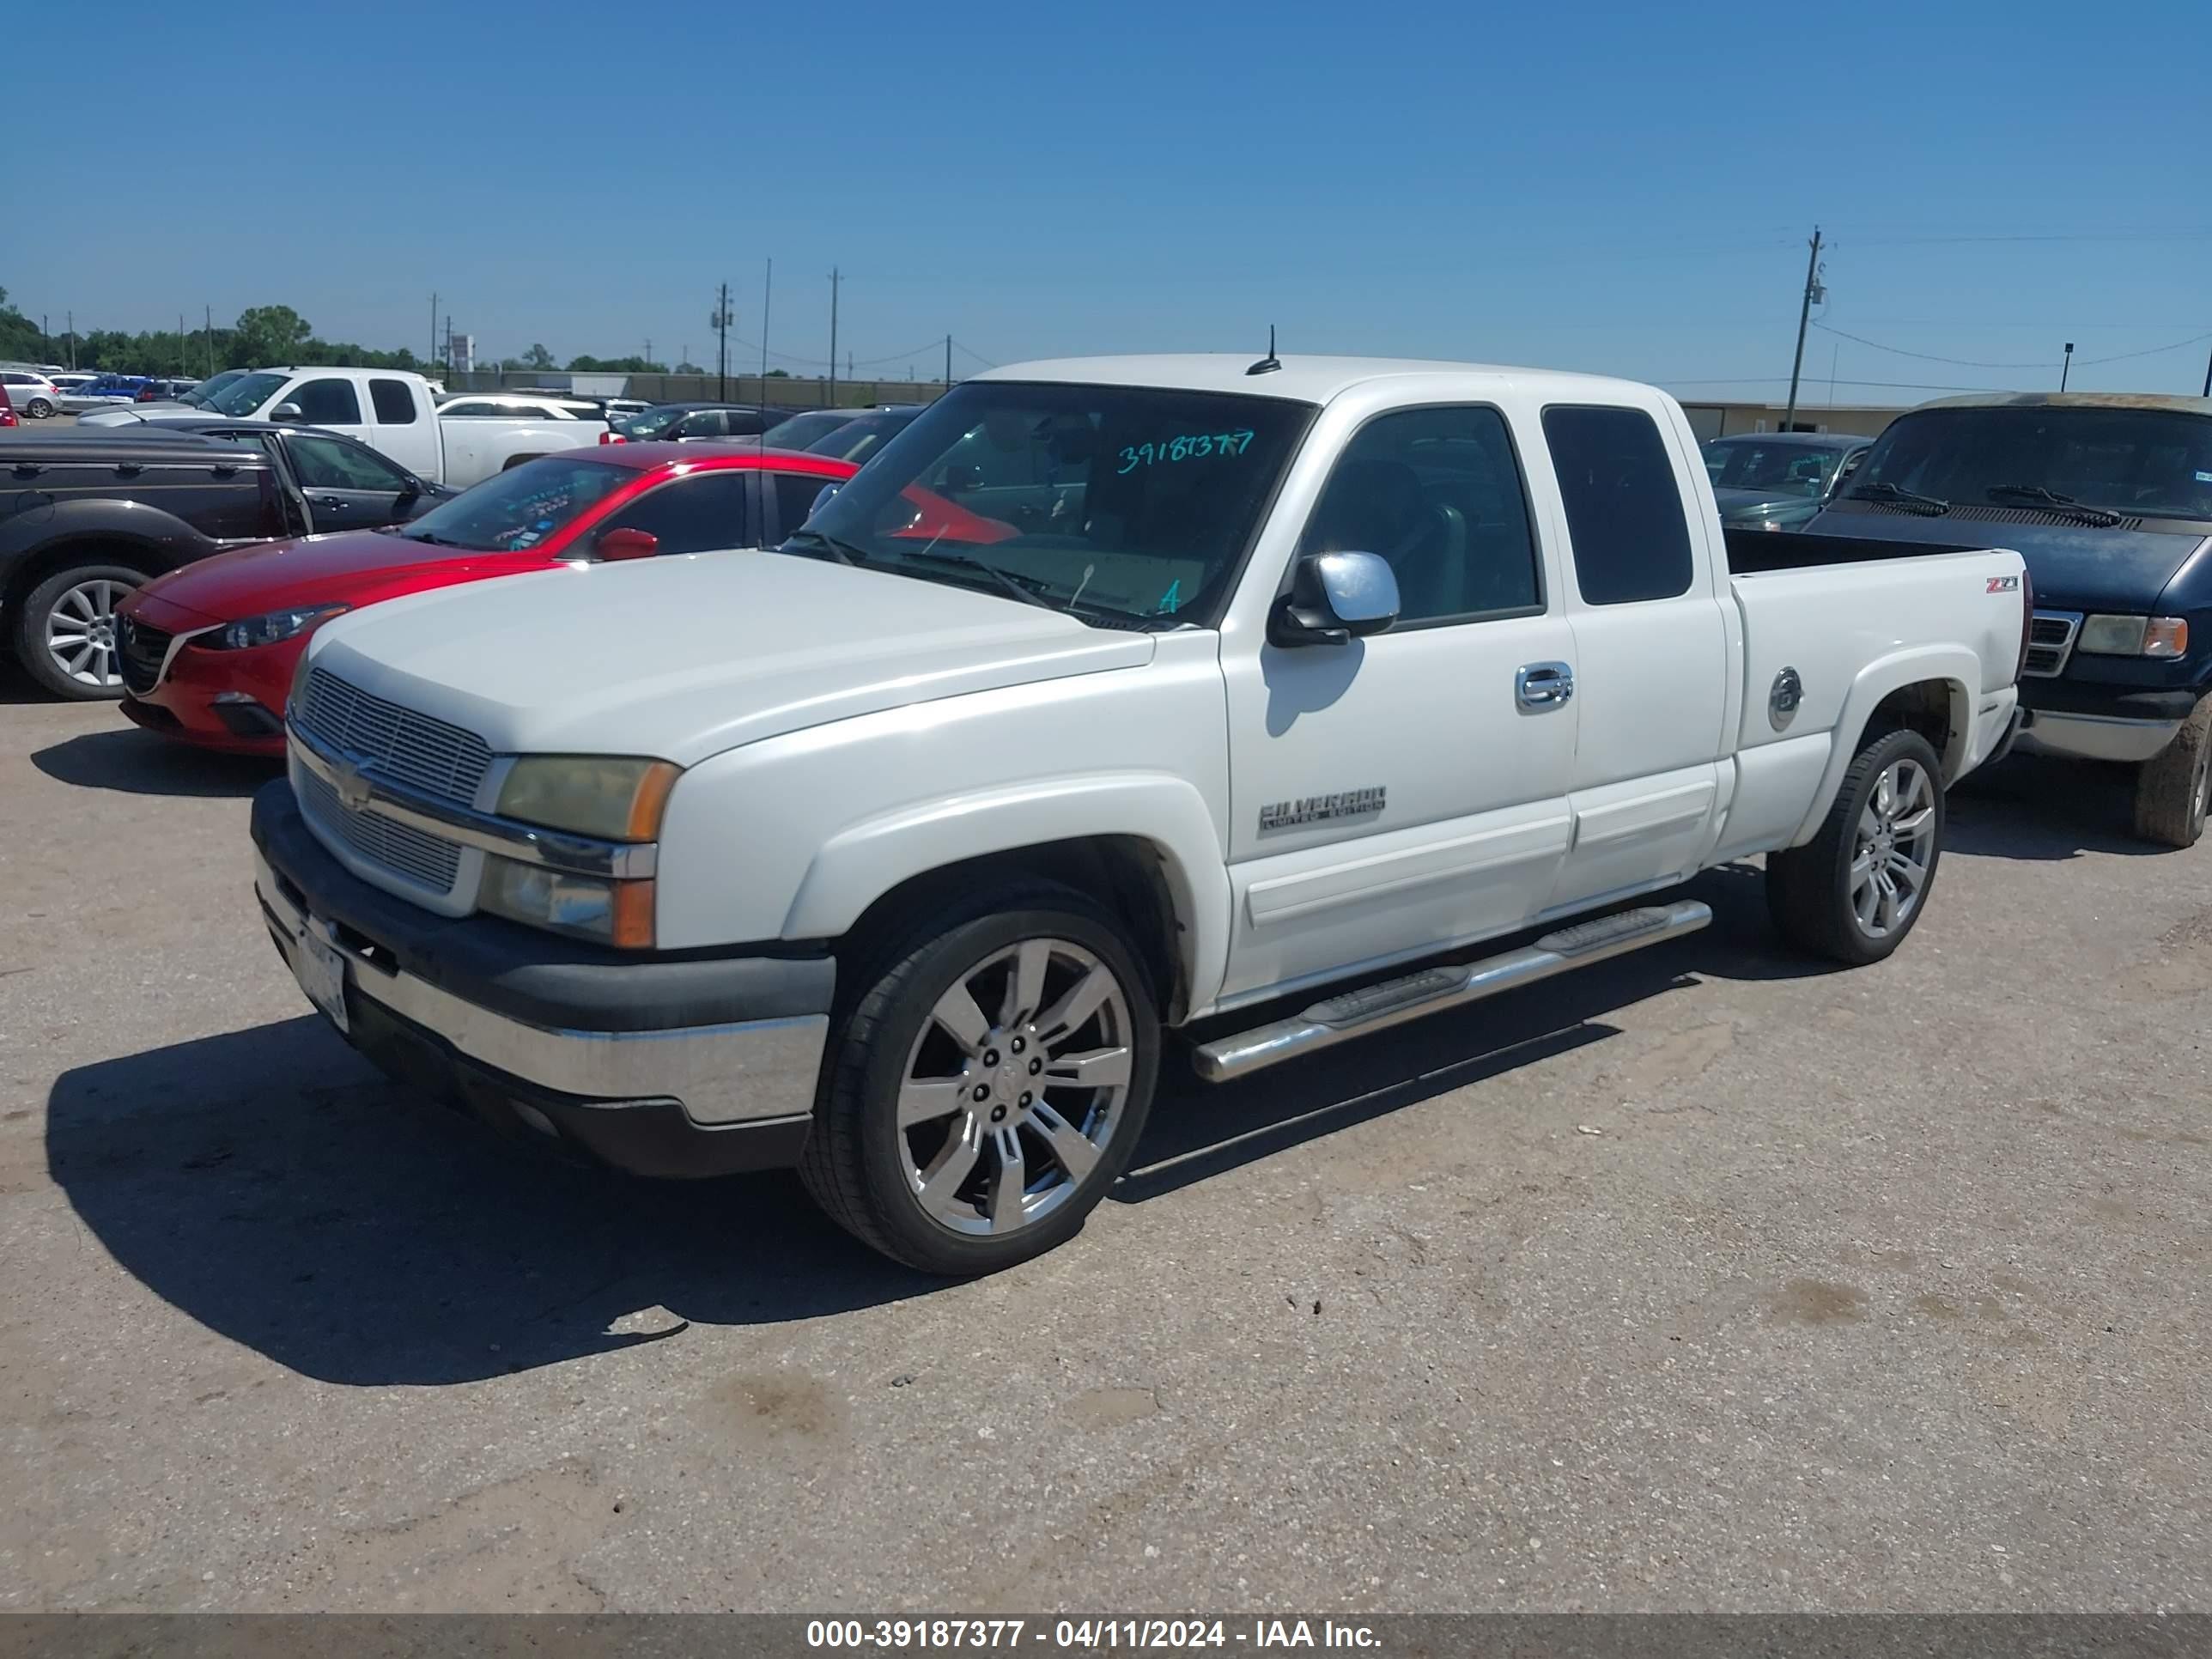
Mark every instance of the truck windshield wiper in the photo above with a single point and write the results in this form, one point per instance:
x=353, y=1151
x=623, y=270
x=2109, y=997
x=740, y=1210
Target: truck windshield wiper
x=1889, y=492
x=431, y=537
x=1010, y=584
x=843, y=552
x=2050, y=498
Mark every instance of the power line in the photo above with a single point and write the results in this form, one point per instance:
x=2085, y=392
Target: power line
x=977, y=355
x=1972, y=363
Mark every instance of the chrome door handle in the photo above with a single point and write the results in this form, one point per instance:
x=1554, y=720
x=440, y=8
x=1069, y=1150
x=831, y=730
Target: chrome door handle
x=1543, y=685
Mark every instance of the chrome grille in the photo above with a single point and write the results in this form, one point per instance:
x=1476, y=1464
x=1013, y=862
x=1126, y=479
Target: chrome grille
x=2050, y=641
x=406, y=747
x=144, y=650
x=428, y=861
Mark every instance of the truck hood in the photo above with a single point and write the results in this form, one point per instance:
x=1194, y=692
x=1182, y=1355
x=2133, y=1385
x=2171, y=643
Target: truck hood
x=2075, y=566
x=344, y=568
x=683, y=657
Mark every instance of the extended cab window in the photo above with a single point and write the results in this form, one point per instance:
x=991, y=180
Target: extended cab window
x=696, y=515
x=1436, y=494
x=331, y=463
x=1624, y=513
x=467, y=410
x=327, y=402
x=393, y=401
x=1121, y=504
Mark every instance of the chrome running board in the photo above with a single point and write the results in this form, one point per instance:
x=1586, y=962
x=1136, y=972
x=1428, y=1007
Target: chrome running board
x=1375, y=1007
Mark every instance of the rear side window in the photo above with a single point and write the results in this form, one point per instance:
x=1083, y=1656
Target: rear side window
x=794, y=497
x=394, y=402
x=1624, y=513
x=327, y=402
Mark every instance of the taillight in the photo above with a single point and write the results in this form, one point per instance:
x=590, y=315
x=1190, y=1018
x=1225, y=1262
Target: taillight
x=145, y=394
x=612, y=437
x=2026, y=622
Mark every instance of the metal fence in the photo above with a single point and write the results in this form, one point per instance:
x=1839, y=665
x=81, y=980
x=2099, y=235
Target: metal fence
x=781, y=391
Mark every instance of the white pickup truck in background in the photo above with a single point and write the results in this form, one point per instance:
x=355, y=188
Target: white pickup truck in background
x=1115, y=694
x=459, y=443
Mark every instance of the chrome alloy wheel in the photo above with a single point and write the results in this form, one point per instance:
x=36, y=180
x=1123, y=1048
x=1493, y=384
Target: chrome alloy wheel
x=1001, y=1115
x=1895, y=844
x=80, y=631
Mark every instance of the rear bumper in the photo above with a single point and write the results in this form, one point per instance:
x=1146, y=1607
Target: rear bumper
x=683, y=1066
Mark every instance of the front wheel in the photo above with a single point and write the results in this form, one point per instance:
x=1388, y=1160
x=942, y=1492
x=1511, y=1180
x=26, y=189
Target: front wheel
x=2175, y=787
x=1855, y=890
x=65, y=630
x=988, y=1085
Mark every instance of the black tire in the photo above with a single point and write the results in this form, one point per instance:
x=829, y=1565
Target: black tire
x=856, y=1164
x=2175, y=787
x=1810, y=890
x=38, y=409
x=31, y=632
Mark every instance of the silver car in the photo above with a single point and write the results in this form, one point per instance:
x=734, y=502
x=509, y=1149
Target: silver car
x=32, y=393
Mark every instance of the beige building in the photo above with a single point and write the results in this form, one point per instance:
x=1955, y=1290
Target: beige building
x=1721, y=420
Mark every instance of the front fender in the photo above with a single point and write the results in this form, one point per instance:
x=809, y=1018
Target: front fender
x=866, y=859
x=1956, y=667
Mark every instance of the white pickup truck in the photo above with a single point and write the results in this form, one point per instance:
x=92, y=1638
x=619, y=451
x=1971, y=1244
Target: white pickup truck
x=1114, y=695
x=457, y=444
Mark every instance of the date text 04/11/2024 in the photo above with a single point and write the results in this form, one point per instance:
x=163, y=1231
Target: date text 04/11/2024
x=1084, y=1635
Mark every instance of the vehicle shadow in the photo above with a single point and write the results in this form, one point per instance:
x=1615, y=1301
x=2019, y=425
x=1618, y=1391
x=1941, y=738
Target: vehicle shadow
x=1198, y=1130
x=272, y=1185
x=137, y=762
x=2039, y=809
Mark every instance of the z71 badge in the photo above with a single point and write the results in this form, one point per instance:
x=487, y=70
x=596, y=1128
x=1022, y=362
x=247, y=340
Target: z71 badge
x=1318, y=809
x=2002, y=584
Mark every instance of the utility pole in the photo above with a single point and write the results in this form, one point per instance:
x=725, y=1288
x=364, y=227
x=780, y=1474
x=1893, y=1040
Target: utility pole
x=948, y=363
x=2206, y=392
x=832, y=402
x=434, y=328
x=648, y=348
x=69, y=319
x=2066, y=365
x=767, y=282
x=721, y=320
x=1804, y=316
x=207, y=318
x=182, y=366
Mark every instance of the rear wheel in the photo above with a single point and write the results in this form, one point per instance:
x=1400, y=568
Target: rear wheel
x=1857, y=889
x=988, y=1085
x=65, y=630
x=2173, y=789
x=38, y=409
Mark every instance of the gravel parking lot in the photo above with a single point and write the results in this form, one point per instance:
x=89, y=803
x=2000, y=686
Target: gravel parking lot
x=1707, y=1278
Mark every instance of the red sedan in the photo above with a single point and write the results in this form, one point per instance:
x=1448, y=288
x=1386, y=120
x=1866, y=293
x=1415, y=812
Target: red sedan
x=208, y=651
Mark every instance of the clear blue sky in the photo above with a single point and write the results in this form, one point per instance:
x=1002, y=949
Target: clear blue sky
x=1611, y=187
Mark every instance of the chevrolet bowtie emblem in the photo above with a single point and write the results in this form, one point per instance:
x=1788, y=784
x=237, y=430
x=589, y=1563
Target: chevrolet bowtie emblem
x=352, y=787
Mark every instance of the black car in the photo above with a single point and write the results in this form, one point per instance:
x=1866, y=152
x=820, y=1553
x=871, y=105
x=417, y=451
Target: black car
x=679, y=422
x=2108, y=497
x=90, y=513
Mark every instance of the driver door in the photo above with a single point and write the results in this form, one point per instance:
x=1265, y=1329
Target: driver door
x=1406, y=792
x=349, y=486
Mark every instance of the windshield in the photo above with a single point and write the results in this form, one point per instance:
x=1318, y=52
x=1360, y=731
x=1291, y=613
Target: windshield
x=653, y=422
x=1121, y=500
x=1773, y=469
x=805, y=431
x=246, y=394
x=201, y=395
x=2145, y=463
x=521, y=507
x=858, y=440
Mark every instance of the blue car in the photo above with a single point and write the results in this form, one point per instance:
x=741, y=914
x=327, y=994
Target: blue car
x=102, y=393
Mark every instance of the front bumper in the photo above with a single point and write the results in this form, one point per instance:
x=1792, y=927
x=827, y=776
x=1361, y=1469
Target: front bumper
x=679, y=1065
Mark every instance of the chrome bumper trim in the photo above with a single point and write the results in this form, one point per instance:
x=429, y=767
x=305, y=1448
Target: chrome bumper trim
x=2094, y=737
x=557, y=849
x=731, y=1073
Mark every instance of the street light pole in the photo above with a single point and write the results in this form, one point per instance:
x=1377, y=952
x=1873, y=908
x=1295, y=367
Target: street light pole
x=2066, y=365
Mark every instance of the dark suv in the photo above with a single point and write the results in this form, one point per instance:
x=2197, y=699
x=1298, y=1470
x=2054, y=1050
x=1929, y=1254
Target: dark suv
x=2108, y=497
x=88, y=513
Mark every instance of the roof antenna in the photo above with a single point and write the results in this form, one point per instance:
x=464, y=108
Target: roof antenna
x=1271, y=362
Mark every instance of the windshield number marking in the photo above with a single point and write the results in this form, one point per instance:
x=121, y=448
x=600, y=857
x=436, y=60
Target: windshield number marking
x=1190, y=447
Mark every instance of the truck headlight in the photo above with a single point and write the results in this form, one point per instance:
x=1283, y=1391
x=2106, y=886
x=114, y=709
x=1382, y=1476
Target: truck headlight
x=268, y=629
x=617, y=913
x=2134, y=636
x=614, y=797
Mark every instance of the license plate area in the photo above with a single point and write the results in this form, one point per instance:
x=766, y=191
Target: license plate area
x=320, y=968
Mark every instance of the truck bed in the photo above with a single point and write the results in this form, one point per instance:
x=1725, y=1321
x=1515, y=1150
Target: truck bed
x=1761, y=552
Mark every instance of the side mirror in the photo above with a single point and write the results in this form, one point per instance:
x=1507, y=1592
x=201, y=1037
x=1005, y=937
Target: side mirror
x=822, y=498
x=626, y=543
x=286, y=413
x=1333, y=598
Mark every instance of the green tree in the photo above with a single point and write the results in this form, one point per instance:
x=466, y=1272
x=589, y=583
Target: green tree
x=269, y=334
x=615, y=366
x=536, y=357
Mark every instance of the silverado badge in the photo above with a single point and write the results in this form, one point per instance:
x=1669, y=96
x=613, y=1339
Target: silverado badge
x=1316, y=809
